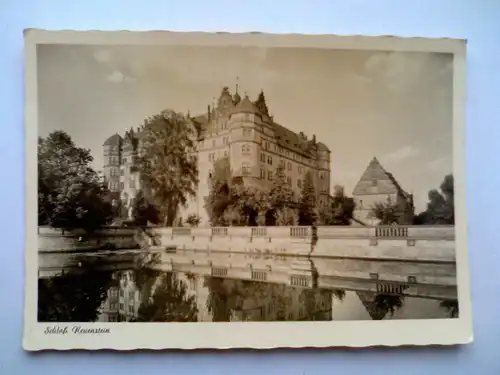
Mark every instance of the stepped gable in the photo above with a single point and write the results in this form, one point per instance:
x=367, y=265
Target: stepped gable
x=375, y=171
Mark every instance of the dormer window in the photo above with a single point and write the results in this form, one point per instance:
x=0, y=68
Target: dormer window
x=374, y=182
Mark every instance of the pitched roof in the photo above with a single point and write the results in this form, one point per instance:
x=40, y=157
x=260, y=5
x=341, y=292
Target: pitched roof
x=375, y=171
x=287, y=138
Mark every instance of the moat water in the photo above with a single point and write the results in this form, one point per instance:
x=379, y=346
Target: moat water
x=139, y=292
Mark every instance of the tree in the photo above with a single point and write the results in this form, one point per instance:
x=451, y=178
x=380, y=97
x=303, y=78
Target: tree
x=340, y=211
x=246, y=203
x=193, y=220
x=167, y=162
x=70, y=193
x=229, y=201
x=143, y=211
x=307, y=203
x=218, y=198
x=169, y=302
x=281, y=202
x=387, y=212
x=441, y=206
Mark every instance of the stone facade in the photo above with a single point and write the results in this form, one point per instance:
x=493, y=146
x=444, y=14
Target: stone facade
x=376, y=185
x=243, y=131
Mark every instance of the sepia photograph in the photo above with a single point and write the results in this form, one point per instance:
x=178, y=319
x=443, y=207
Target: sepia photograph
x=245, y=190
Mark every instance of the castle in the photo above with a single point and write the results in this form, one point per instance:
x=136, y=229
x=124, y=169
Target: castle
x=246, y=133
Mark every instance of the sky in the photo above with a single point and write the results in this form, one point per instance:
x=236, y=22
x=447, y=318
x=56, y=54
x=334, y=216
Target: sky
x=391, y=105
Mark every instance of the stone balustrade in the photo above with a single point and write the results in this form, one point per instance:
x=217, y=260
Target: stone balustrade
x=409, y=243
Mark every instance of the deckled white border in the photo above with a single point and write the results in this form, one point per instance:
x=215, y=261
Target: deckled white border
x=126, y=336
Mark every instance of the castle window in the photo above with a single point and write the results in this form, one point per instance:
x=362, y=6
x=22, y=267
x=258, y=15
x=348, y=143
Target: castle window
x=263, y=157
x=374, y=182
x=245, y=169
x=122, y=185
x=225, y=140
x=262, y=173
x=209, y=174
x=124, y=160
x=289, y=180
x=269, y=160
x=269, y=175
x=299, y=183
x=131, y=184
x=122, y=172
x=282, y=163
x=247, y=133
x=245, y=149
x=225, y=154
x=211, y=157
x=300, y=170
x=289, y=166
x=213, y=143
x=321, y=176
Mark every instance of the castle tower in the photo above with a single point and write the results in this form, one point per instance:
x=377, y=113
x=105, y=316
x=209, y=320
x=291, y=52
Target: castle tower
x=323, y=164
x=112, y=159
x=128, y=177
x=244, y=148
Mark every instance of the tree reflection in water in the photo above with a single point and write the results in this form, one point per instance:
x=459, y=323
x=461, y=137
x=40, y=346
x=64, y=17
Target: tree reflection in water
x=261, y=301
x=378, y=305
x=77, y=296
x=169, y=301
x=74, y=296
x=452, y=307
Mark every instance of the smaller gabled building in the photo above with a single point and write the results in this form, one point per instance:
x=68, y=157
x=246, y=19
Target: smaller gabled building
x=376, y=185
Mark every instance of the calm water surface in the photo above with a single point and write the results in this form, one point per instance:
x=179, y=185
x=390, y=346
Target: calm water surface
x=88, y=288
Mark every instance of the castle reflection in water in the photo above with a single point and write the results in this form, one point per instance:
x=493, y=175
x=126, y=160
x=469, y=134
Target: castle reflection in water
x=143, y=294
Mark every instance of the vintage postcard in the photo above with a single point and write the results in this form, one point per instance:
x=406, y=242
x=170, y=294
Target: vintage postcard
x=197, y=190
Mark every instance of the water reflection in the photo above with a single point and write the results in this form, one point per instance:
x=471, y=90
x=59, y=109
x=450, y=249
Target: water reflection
x=92, y=289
